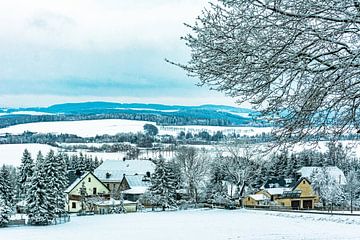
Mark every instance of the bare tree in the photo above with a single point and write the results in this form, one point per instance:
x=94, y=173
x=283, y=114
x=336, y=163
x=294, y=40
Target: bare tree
x=194, y=165
x=296, y=61
x=236, y=165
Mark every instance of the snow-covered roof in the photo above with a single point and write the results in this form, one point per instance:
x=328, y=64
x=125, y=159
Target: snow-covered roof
x=114, y=170
x=334, y=172
x=259, y=197
x=137, y=181
x=276, y=191
x=136, y=190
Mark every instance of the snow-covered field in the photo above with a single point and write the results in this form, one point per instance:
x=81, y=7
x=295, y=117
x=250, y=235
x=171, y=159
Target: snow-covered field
x=91, y=128
x=10, y=154
x=88, y=128
x=195, y=224
x=244, y=131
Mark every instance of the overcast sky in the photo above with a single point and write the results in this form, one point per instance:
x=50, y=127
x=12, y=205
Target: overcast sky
x=90, y=50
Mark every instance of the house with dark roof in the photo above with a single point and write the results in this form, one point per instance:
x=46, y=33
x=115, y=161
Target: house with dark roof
x=300, y=196
x=274, y=187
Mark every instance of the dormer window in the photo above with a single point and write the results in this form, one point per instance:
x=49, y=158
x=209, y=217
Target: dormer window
x=108, y=175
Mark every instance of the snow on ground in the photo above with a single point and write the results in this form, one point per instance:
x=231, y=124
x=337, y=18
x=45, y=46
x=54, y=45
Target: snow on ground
x=10, y=154
x=90, y=128
x=33, y=113
x=86, y=128
x=194, y=224
x=244, y=131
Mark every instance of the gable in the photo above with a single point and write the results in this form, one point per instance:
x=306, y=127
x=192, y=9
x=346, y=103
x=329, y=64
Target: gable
x=305, y=187
x=90, y=181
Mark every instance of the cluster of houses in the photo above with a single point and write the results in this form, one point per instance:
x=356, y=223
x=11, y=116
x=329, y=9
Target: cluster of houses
x=113, y=184
x=118, y=183
x=287, y=193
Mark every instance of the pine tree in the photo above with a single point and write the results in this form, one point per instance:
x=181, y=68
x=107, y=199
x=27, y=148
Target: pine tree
x=61, y=182
x=6, y=190
x=5, y=212
x=37, y=198
x=55, y=182
x=163, y=185
x=25, y=173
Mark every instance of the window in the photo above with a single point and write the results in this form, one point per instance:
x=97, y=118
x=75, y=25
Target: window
x=108, y=185
x=94, y=190
x=303, y=182
x=89, y=179
x=73, y=205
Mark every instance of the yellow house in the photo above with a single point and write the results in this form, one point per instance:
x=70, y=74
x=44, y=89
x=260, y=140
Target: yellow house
x=94, y=188
x=254, y=200
x=301, y=196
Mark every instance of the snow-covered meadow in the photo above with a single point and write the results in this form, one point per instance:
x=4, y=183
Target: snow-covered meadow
x=10, y=154
x=195, y=224
x=91, y=128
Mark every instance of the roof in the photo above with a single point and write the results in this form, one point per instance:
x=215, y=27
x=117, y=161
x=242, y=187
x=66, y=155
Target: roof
x=114, y=170
x=258, y=197
x=277, y=182
x=137, y=181
x=334, y=172
x=136, y=190
x=276, y=191
x=291, y=194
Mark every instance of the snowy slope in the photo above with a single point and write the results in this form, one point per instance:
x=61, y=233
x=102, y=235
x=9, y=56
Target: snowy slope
x=10, y=154
x=90, y=128
x=195, y=224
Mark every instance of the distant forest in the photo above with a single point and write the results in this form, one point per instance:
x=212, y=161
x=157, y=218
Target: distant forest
x=164, y=119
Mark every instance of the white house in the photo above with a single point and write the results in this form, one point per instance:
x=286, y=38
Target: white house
x=94, y=188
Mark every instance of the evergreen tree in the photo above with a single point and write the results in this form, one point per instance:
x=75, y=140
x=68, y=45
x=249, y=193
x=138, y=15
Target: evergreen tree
x=6, y=190
x=61, y=182
x=25, y=173
x=163, y=185
x=55, y=182
x=37, y=198
x=5, y=212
